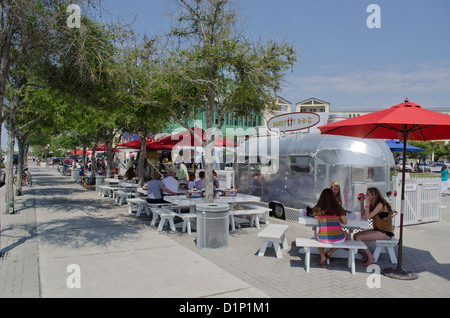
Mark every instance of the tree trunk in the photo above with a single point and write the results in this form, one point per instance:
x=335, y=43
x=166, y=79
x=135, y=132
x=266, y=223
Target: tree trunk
x=10, y=166
x=142, y=158
x=22, y=141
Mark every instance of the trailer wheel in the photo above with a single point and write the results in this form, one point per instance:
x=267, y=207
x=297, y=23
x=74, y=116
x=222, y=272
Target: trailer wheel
x=278, y=211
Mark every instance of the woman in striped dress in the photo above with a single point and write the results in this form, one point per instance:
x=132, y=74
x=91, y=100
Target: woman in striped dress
x=330, y=215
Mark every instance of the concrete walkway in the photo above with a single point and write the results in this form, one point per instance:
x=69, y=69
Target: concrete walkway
x=63, y=235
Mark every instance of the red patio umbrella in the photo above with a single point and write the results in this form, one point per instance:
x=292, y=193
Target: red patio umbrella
x=79, y=152
x=102, y=148
x=136, y=144
x=406, y=121
x=185, y=139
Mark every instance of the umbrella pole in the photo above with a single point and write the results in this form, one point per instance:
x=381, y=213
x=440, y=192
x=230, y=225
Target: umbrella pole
x=399, y=272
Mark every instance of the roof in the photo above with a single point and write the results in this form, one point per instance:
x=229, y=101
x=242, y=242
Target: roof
x=313, y=99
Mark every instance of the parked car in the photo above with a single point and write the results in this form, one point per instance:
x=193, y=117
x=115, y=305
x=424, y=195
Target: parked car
x=68, y=160
x=422, y=167
x=408, y=167
x=437, y=167
x=58, y=160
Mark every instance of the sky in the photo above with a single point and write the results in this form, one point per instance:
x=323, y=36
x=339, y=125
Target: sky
x=340, y=59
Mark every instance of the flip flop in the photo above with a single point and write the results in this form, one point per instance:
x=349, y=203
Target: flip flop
x=363, y=260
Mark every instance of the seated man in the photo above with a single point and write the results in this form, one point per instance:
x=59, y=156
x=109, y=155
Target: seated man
x=170, y=183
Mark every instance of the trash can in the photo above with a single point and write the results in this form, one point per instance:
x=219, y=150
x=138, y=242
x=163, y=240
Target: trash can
x=75, y=173
x=213, y=222
x=99, y=181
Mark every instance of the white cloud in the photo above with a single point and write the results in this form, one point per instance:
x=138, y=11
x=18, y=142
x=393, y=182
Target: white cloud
x=426, y=82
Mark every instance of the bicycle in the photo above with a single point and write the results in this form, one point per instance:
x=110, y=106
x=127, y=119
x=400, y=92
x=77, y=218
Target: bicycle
x=26, y=177
x=83, y=181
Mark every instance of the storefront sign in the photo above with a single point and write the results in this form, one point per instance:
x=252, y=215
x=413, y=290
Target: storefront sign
x=293, y=122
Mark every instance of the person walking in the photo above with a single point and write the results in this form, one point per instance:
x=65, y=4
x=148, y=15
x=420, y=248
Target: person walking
x=444, y=180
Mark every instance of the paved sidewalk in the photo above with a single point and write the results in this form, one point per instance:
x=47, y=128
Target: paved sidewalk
x=61, y=229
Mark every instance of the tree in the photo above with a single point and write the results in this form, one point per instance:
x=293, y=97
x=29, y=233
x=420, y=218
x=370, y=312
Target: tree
x=216, y=69
x=34, y=41
x=139, y=93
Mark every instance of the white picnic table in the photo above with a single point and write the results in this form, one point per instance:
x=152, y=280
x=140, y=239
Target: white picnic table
x=354, y=222
x=142, y=191
x=183, y=201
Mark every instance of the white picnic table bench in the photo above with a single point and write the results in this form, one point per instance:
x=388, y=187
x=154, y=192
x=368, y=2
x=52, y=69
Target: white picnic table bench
x=252, y=210
x=164, y=215
x=107, y=190
x=271, y=236
x=382, y=245
x=352, y=246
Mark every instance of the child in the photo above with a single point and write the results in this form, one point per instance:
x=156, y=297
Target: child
x=329, y=214
x=191, y=183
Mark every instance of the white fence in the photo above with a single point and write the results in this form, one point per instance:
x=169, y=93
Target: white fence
x=422, y=200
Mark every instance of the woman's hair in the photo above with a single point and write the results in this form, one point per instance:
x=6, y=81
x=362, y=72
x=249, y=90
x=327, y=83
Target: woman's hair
x=155, y=175
x=338, y=196
x=130, y=174
x=328, y=204
x=377, y=198
x=443, y=167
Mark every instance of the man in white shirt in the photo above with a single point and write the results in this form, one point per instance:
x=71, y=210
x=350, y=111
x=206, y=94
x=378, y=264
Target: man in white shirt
x=170, y=183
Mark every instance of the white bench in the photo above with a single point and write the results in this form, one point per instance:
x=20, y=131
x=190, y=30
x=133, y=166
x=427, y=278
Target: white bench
x=253, y=211
x=272, y=235
x=121, y=196
x=164, y=215
x=353, y=247
x=382, y=245
x=141, y=205
x=106, y=189
x=187, y=221
x=264, y=210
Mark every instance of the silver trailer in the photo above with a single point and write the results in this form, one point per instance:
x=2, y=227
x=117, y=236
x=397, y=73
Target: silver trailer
x=290, y=171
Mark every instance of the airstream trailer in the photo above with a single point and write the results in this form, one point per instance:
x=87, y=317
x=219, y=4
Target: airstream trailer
x=290, y=171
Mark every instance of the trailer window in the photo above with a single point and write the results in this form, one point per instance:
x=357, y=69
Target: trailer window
x=376, y=174
x=300, y=164
x=358, y=175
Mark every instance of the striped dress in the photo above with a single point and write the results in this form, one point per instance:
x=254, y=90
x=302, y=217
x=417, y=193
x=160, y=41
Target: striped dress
x=330, y=230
